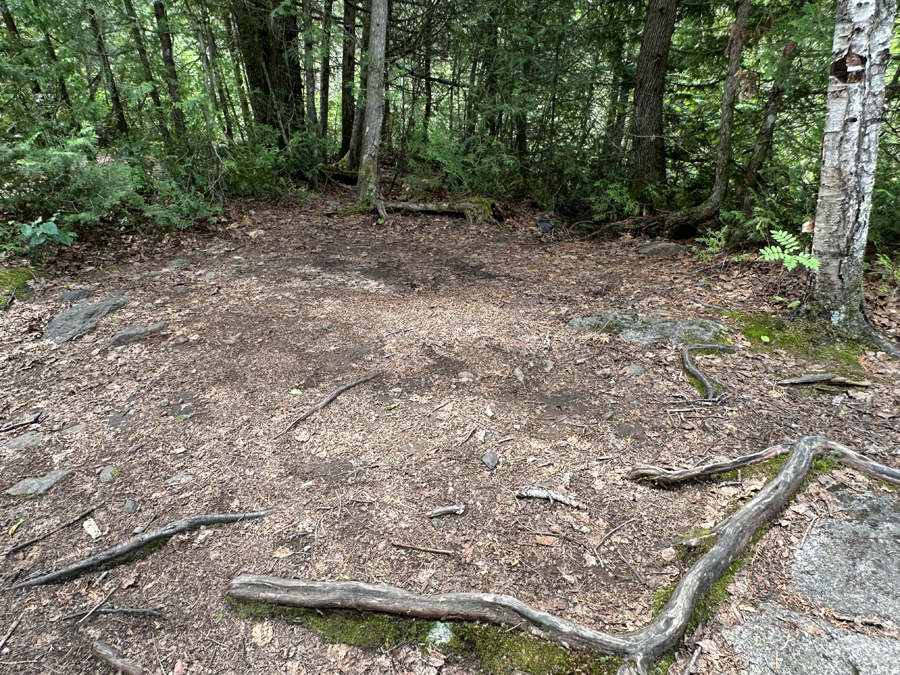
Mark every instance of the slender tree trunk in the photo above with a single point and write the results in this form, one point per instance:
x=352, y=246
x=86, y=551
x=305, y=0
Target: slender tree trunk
x=708, y=209
x=16, y=39
x=146, y=72
x=856, y=92
x=236, y=71
x=368, y=189
x=168, y=57
x=216, y=70
x=426, y=117
x=118, y=110
x=649, y=89
x=61, y=81
x=763, y=143
x=359, y=114
x=325, y=82
x=348, y=66
x=309, y=71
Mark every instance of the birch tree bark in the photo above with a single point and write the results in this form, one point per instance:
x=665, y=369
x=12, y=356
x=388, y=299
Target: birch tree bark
x=856, y=90
x=367, y=183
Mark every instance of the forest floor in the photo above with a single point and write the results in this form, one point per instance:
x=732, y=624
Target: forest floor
x=467, y=330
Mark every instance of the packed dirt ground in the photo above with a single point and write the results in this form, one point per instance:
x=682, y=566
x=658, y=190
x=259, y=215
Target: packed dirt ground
x=276, y=306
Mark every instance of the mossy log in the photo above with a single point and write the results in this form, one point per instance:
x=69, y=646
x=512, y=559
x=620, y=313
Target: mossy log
x=476, y=211
x=642, y=648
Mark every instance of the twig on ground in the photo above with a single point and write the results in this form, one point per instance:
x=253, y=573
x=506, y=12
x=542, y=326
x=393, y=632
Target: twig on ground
x=539, y=493
x=124, y=666
x=808, y=530
x=99, y=604
x=708, y=304
x=611, y=533
x=148, y=611
x=74, y=520
x=468, y=436
x=637, y=575
x=12, y=629
x=34, y=419
x=454, y=509
x=420, y=548
x=188, y=524
x=861, y=620
x=693, y=662
x=9, y=300
x=707, y=382
x=337, y=392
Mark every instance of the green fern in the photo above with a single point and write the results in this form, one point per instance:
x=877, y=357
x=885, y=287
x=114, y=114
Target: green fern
x=788, y=252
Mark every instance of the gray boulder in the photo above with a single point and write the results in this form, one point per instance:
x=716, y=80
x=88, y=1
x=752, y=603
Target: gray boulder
x=636, y=328
x=663, y=249
x=36, y=486
x=81, y=319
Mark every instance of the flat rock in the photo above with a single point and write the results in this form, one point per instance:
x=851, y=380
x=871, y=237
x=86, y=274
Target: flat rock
x=778, y=640
x=135, y=333
x=178, y=478
x=852, y=565
x=178, y=263
x=27, y=440
x=108, y=474
x=663, y=249
x=79, y=320
x=635, y=371
x=37, y=486
x=74, y=296
x=490, y=460
x=633, y=327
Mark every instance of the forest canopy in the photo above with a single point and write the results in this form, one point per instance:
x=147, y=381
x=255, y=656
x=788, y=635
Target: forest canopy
x=119, y=112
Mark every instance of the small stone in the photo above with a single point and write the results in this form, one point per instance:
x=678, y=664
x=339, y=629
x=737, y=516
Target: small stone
x=465, y=376
x=209, y=276
x=179, y=288
x=232, y=339
x=27, y=440
x=663, y=249
x=440, y=634
x=130, y=507
x=37, y=486
x=74, y=429
x=520, y=376
x=74, y=296
x=548, y=365
x=480, y=434
x=178, y=478
x=178, y=263
x=108, y=474
x=635, y=371
x=134, y=333
x=612, y=414
x=490, y=460
x=331, y=202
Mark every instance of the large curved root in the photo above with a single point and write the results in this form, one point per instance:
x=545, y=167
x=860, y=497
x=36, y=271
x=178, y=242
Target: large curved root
x=642, y=648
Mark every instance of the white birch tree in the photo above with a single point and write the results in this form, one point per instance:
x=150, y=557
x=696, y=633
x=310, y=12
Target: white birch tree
x=856, y=90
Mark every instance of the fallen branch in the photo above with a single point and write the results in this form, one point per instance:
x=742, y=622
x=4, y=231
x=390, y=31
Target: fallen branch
x=708, y=304
x=825, y=378
x=337, y=392
x=74, y=520
x=34, y=419
x=476, y=212
x=188, y=524
x=453, y=509
x=106, y=654
x=9, y=300
x=420, y=548
x=12, y=629
x=707, y=382
x=147, y=611
x=642, y=647
x=538, y=493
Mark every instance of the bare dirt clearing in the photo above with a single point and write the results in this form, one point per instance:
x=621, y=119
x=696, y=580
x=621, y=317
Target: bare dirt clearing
x=466, y=328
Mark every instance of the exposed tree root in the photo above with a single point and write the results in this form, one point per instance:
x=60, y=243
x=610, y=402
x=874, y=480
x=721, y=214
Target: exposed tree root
x=707, y=382
x=188, y=524
x=108, y=655
x=642, y=648
x=333, y=395
x=476, y=211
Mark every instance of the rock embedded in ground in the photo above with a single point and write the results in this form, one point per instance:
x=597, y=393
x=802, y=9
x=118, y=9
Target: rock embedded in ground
x=108, y=474
x=178, y=263
x=635, y=371
x=37, y=486
x=135, y=333
x=81, y=319
x=663, y=249
x=27, y=440
x=633, y=327
x=178, y=478
x=490, y=460
x=465, y=376
x=74, y=296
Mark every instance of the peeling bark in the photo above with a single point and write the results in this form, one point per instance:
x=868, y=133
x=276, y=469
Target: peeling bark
x=642, y=648
x=856, y=92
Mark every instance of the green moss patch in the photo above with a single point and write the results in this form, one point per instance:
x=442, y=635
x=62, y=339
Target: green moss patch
x=15, y=278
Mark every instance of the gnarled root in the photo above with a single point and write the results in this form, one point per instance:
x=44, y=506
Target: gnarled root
x=642, y=647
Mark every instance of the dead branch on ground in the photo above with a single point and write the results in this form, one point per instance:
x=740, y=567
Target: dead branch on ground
x=642, y=648
x=34, y=419
x=333, y=395
x=12, y=629
x=476, y=212
x=148, y=611
x=124, y=666
x=74, y=520
x=188, y=524
x=538, y=493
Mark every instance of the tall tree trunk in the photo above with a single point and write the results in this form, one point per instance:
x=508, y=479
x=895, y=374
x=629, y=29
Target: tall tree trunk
x=649, y=89
x=348, y=67
x=426, y=117
x=708, y=209
x=236, y=71
x=763, y=143
x=856, y=92
x=118, y=110
x=216, y=70
x=16, y=39
x=138, y=36
x=359, y=114
x=325, y=82
x=61, y=81
x=367, y=185
x=309, y=73
x=168, y=57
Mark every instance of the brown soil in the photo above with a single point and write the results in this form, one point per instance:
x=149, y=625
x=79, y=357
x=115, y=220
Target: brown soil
x=281, y=306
